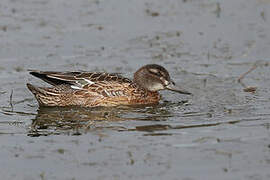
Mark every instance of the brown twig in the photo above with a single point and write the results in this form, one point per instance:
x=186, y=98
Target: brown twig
x=250, y=70
x=246, y=88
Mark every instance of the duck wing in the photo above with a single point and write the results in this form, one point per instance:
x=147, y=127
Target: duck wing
x=78, y=80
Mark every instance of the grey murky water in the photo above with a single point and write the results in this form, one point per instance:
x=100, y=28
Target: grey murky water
x=222, y=132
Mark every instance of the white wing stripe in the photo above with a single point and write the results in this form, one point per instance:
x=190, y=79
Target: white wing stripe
x=88, y=81
x=75, y=87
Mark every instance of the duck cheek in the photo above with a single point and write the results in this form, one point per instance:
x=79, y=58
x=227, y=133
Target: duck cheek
x=155, y=87
x=164, y=81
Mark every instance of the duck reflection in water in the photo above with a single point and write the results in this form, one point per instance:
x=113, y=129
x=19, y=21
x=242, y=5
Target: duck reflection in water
x=75, y=120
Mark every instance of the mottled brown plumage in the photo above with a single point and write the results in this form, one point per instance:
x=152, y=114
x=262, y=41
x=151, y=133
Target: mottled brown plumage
x=91, y=89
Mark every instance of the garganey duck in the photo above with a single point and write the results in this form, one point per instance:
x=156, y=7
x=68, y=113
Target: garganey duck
x=91, y=89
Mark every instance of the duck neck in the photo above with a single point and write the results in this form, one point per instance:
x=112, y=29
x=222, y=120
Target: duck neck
x=140, y=81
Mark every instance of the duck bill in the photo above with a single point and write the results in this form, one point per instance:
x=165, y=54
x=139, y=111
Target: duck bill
x=178, y=89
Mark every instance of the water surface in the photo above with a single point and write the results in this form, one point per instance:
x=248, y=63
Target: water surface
x=222, y=132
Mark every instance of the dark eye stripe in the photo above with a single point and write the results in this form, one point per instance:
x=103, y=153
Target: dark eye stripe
x=163, y=74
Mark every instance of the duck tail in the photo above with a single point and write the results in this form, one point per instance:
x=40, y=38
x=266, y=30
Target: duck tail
x=43, y=95
x=35, y=90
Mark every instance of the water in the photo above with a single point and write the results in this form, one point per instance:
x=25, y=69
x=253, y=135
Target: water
x=222, y=132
